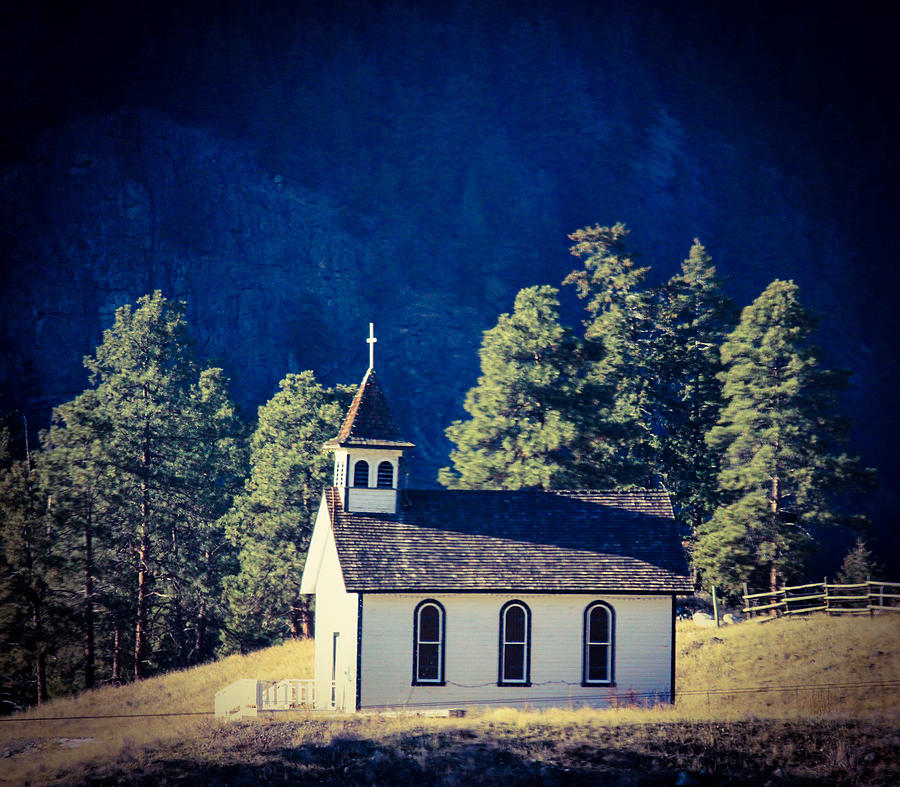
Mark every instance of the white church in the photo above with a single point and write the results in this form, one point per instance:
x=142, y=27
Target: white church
x=434, y=599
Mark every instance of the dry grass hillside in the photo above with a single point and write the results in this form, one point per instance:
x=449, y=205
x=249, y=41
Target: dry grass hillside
x=716, y=733
x=790, y=656
x=98, y=723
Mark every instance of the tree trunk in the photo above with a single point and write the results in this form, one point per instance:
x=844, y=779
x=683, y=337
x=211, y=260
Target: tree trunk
x=34, y=600
x=774, y=509
x=178, y=633
x=88, y=606
x=178, y=625
x=143, y=583
x=200, y=636
x=775, y=492
x=309, y=628
x=117, y=655
x=200, y=653
x=140, y=628
x=301, y=620
x=40, y=661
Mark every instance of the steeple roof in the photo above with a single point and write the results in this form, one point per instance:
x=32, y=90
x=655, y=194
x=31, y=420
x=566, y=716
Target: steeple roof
x=369, y=422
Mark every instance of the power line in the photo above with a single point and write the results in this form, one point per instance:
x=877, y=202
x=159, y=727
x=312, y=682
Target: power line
x=111, y=716
x=626, y=698
x=797, y=687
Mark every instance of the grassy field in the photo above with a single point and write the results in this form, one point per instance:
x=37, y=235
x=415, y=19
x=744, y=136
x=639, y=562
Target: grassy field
x=717, y=733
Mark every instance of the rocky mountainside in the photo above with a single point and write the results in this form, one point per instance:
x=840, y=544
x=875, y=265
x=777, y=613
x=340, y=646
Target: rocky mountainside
x=275, y=276
x=117, y=206
x=297, y=174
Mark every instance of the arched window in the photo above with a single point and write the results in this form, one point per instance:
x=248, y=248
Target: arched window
x=598, y=644
x=515, y=645
x=385, y=475
x=361, y=473
x=429, y=636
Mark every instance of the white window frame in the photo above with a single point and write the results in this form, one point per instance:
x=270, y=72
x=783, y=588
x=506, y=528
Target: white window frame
x=417, y=680
x=525, y=680
x=609, y=644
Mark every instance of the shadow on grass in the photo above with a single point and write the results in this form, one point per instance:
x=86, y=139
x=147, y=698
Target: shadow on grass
x=635, y=755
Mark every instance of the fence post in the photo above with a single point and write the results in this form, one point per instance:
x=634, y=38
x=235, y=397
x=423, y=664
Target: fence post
x=747, y=602
x=825, y=588
x=715, y=607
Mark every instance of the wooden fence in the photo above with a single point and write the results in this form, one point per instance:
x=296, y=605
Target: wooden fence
x=866, y=597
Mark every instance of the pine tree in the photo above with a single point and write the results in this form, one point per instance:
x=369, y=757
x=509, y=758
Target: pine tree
x=89, y=515
x=82, y=493
x=220, y=467
x=692, y=319
x=5, y=454
x=27, y=605
x=620, y=320
x=537, y=412
x=778, y=442
x=859, y=565
x=271, y=520
x=148, y=392
x=197, y=556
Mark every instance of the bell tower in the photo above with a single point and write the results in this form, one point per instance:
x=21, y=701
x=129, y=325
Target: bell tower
x=368, y=448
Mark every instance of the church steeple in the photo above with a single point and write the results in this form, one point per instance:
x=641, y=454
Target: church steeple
x=368, y=448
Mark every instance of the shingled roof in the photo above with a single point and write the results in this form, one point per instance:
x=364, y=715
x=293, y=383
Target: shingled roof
x=522, y=541
x=369, y=421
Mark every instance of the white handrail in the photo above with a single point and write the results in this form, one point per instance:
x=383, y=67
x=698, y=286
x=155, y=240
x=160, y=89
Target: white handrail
x=249, y=697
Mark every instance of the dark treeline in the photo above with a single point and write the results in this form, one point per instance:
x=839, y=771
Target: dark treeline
x=153, y=529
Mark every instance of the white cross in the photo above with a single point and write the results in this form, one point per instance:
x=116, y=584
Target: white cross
x=371, y=342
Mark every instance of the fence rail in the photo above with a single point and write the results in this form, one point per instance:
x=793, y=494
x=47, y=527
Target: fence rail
x=864, y=597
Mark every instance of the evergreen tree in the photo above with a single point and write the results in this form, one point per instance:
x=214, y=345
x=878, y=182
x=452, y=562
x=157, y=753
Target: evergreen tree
x=150, y=402
x=778, y=441
x=27, y=604
x=82, y=491
x=5, y=456
x=208, y=557
x=120, y=524
x=143, y=375
x=859, y=565
x=271, y=520
x=620, y=319
x=537, y=413
x=692, y=319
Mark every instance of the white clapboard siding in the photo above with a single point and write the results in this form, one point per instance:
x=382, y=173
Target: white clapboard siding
x=336, y=612
x=643, y=638
x=376, y=501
